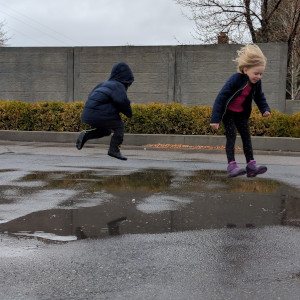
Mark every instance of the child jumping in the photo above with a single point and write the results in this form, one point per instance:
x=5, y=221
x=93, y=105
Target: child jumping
x=103, y=107
x=233, y=107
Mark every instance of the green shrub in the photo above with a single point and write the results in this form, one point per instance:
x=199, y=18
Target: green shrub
x=152, y=118
x=40, y=116
x=276, y=125
x=173, y=118
x=295, y=125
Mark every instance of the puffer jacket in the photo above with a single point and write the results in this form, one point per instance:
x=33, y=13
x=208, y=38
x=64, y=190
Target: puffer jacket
x=108, y=99
x=232, y=89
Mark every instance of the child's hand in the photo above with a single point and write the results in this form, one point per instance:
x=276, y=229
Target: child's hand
x=266, y=113
x=215, y=125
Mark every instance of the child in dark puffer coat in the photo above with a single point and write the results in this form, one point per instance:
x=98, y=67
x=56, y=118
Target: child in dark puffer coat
x=103, y=107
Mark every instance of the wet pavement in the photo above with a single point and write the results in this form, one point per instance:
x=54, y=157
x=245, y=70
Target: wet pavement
x=162, y=225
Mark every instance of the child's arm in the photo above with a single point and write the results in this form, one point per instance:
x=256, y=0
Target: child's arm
x=261, y=102
x=120, y=99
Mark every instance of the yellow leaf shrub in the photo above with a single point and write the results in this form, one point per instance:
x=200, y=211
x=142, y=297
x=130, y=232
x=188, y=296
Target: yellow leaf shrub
x=152, y=118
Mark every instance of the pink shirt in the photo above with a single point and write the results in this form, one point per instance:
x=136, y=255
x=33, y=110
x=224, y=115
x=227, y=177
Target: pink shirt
x=237, y=103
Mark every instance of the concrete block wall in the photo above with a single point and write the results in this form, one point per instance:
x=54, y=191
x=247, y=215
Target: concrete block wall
x=202, y=71
x=36, y=74
x=292, y=106
x=185, y=74
x=153, y=69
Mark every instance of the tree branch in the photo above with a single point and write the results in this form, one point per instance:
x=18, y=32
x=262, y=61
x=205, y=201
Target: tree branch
x=249, y=21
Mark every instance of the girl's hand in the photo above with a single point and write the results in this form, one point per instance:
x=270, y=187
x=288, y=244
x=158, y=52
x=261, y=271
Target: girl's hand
x=266, y=113
x=215, y=125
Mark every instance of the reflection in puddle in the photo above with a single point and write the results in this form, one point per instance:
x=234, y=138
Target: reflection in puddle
x=92, y=205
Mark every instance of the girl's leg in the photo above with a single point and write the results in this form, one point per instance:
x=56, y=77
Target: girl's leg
x=242, y=125
x=243, y=128
x=230, y=133
x=230, y=126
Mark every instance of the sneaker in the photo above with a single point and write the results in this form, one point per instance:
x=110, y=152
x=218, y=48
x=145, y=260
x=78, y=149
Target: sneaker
x=253, y=169
x=233, y=170
x=81, y=140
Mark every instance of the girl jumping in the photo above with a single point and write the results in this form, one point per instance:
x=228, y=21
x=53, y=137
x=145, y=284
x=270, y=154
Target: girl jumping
x=233, y=107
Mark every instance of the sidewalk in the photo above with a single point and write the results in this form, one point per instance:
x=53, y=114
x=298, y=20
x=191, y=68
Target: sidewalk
x=259, y=143
x=146, y=153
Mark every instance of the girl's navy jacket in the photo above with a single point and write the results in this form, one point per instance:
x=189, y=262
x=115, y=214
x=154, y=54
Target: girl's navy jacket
x=232, y=89
x=108, y=99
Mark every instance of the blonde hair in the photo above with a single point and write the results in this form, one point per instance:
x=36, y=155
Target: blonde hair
x=250, y=56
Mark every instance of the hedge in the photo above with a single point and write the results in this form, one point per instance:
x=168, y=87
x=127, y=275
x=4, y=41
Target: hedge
x=153, y=118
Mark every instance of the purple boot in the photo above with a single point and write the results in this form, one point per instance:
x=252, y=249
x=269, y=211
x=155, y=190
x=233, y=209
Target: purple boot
x=233, y=170
x=253, y=170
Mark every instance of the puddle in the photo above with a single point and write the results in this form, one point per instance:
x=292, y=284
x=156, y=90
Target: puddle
x=68, y=206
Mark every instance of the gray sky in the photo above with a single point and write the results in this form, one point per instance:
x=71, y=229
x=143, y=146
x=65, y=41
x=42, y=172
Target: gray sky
x=95, y=23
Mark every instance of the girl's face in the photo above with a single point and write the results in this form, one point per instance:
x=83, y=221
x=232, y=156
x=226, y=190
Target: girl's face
x=254, y=73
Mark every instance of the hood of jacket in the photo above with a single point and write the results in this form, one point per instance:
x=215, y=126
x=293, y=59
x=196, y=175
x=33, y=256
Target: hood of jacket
x=122, y=73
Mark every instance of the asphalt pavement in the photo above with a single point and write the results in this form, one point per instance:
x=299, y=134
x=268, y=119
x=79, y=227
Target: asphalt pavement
x=165, y=224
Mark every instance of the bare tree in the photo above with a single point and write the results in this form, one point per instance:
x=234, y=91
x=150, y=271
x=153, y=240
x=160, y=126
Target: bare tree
x=242, y=20
x=251, y=21
x=286, y=27
x=293, y=78
x=3, y=36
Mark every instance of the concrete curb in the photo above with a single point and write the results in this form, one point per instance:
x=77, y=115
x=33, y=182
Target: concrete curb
x=259, y=143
